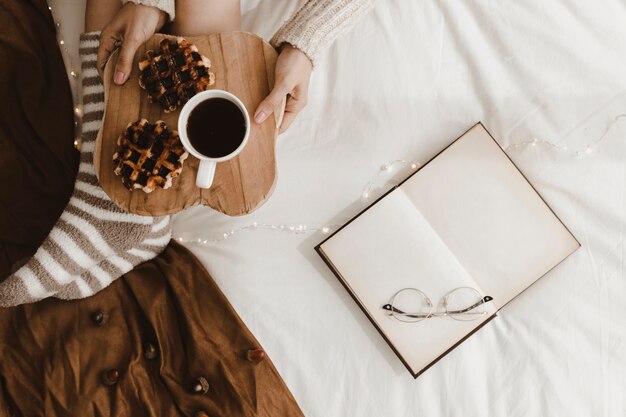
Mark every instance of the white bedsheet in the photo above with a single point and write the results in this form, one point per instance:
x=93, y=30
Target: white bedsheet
x=411, y=77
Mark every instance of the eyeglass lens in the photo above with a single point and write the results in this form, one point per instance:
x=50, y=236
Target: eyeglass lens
x=410, y=305
x=464, y=304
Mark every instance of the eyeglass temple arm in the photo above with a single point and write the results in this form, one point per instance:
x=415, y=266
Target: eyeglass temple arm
x=389, y=307
x=484, y=300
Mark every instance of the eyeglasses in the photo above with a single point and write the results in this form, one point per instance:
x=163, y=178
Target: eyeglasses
x=411, y=305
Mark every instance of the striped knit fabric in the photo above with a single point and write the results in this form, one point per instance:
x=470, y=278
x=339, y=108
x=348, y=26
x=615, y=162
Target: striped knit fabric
x=94, y=241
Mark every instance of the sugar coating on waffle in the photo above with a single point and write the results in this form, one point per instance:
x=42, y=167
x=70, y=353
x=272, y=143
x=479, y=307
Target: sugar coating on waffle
x=148, y=156
x=174, y=73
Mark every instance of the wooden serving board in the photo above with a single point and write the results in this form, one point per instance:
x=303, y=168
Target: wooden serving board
x=243, y=65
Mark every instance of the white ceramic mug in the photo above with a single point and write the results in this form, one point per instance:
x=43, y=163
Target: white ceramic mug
x=206, y=170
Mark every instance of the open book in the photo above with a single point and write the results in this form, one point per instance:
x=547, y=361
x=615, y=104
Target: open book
x=467, y=218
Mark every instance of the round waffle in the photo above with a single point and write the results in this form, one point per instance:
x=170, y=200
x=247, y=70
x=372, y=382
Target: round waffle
x=148, y=156
x=174, y=73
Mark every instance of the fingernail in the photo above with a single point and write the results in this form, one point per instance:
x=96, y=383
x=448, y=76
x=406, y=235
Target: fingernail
x=260, y=116
x=119, y=77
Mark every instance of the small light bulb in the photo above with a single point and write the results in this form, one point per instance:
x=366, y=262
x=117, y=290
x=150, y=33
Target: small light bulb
x=61, y=42
x=366, y=195
x=325, y=230
x=413, y=166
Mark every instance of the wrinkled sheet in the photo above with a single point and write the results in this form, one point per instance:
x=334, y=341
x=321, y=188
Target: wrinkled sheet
x=409, y=78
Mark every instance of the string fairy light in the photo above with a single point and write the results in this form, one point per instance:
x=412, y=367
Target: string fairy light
x=367, y=193
x=287, y=228
x=73, y=76
x=386, y=168
x=534, y=142
x=590, y=148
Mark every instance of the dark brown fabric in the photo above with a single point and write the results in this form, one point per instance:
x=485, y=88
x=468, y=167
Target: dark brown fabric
x=37, y=157
x=53, y=354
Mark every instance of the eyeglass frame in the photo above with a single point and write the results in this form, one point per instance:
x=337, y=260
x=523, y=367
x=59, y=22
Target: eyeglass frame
x=391, y=309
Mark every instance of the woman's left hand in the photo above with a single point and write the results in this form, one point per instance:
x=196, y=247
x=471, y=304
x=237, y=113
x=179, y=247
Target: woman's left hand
x=292, y=76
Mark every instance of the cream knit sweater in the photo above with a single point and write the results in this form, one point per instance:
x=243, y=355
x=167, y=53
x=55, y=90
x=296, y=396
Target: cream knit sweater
x=318, y=23
x=314, y=27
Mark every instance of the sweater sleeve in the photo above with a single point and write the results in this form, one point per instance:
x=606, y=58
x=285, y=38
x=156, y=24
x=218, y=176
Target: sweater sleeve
x=168, y=6
x=318, y=23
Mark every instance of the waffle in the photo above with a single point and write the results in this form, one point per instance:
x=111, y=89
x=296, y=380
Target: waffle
x=174, y=73
x=148, y=156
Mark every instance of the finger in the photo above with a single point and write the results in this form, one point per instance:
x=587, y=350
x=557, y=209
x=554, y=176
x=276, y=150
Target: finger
x=281, y=112
x=294, y=106
x=107, y=45
x=288, y=118
x=130, y=44
x=296, y=102
x=271, y=102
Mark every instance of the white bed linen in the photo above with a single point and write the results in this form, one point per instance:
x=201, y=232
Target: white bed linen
x=411, y=77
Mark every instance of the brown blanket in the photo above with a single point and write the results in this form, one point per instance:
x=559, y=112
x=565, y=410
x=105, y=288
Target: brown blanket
x=164, y=325
x=160, y=341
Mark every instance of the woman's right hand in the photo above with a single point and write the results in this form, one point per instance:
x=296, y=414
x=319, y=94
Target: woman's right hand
x=132, y=26
x=293, y=73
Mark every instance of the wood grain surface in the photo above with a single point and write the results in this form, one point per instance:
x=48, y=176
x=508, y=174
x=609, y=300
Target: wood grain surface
x=243, y=65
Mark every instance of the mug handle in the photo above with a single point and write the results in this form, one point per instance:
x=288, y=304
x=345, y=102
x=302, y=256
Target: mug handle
x=206, y=171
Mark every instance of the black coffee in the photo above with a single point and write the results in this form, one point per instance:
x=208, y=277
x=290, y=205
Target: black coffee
x=216, y=127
